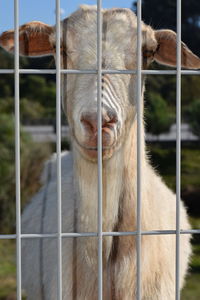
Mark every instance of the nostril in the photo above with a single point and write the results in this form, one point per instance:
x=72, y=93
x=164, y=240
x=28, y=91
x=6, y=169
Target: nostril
x=89, y=122
x=110, y=120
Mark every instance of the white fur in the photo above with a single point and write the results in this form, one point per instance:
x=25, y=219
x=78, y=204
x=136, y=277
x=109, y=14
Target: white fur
x=79, y=190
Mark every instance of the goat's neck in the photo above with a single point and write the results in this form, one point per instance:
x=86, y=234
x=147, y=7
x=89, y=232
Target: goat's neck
x=119, y=187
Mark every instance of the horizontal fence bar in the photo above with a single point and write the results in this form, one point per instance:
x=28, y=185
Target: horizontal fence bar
x=73, y=71
x=94, y=234
x=7, y=236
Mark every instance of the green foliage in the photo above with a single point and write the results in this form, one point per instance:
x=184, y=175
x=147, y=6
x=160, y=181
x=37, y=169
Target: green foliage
x=157, y=114
x=190, y=89
x=29, y=110
x=165, y=86
x=32, y=158
x=36, y=88
x=37, y=93
x=194, y=117
x=7, y=170
x=164, y=159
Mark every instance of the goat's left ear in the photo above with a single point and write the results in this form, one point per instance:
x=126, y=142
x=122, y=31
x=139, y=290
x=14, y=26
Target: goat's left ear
x=166, y=51
x=34, y=39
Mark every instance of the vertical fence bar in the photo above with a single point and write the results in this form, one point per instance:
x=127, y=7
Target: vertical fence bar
x=17, y=149
x=99, y=78
x=139, y=123
x=178, y=146
x=58, y=149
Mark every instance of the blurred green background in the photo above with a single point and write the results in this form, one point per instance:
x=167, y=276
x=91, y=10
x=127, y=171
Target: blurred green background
x=37, y=107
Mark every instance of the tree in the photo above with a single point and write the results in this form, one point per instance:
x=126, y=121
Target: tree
x=162, y=14
x=194, y=117
x=37, y=92
x=157, y=115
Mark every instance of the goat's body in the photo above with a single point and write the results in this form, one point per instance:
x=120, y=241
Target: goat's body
x=39, y=269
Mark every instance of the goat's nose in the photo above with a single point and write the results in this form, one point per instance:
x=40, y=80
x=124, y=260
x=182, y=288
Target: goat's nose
x=90, y=121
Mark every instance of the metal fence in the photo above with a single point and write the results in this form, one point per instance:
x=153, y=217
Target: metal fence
x=100, y=234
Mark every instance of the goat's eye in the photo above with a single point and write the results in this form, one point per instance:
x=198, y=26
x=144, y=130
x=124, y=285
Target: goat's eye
x=62, y=50
x=148, y=53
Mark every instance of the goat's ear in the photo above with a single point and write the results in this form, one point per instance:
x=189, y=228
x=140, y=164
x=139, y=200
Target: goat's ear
x=166, y=51
x=34, y=39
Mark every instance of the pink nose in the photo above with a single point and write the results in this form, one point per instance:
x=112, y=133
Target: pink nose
x=90, y=121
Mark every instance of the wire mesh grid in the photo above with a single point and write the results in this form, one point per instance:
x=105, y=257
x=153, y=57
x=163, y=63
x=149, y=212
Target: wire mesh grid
x=99, y=72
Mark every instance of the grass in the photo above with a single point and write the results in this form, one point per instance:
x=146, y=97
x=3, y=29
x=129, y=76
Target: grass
x=191, y=290
x=7, y=270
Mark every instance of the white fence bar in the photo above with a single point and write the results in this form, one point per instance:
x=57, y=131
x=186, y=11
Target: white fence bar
x=68, y=71
x=178, y=146
x=94, y=234
x=139, y=147
x=99, y=146
x=17, y=150
x=58, y=150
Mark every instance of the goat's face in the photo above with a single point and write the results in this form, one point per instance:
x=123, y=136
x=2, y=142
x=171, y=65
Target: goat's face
x=119, y=51
x=118, y=91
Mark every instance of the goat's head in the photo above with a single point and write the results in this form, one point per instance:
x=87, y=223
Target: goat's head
x=119, y=51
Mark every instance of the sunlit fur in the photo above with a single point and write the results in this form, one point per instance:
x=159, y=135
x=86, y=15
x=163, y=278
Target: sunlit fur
x=80, y=177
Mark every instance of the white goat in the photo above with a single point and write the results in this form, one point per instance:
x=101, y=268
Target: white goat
x=79, y=169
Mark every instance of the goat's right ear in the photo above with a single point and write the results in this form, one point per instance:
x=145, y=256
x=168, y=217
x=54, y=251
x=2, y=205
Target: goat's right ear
x=34, y=39
x=166, y=51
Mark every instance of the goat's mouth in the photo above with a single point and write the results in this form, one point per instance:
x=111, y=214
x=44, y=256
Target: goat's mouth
x=90, y=152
